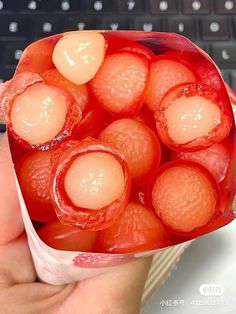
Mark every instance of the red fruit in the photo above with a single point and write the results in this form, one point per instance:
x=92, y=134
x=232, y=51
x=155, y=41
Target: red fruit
x=39, y=116
x=69, y=238
x=193, y=116
x=79, y=92
x=185, y=196
x=139, y=144
x=91, y=124
x=136, y=230
x=165, y=72
x=215, y=158
x=37, y=57
x=147, y=118
x=78, y=180
x=115, y=45
x=120, y=83
x=33, y=173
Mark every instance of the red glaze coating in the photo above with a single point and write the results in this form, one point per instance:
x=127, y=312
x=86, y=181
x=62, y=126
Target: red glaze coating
x=83, y=218
x=220, y=132
x=120, y=83
x=34, y=172
x=79, y=92
x=164, y=78
x=114, y=45
x=17, y=86
x=37, y=57
x=185, y=213
x=215, y=158
x=138, y=143
x=137, y=230
x=69, y=238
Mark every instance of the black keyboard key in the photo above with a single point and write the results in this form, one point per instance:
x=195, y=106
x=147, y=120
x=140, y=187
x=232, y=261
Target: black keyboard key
x=160, y=6
x=7, y=5
x=233, y=79
x=15, y=26
x=13, y=52
x=131, y=6
x=66, y=6
x=215, y=28
x=195, y=6
x=225, y=75
x=99, y=6
x=6, y=73
x=224, y=54
x=225, y=6
x=34, y=5
x=146, y=24
x=48, y=26
x=80, y=23
x=113, y=23
x=2, y=127
x=182, y=26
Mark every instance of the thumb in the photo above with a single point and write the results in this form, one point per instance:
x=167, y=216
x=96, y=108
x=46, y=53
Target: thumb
x=11, y=225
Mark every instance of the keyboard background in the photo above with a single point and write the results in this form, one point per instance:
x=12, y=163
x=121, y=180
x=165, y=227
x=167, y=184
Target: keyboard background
x=209, y=23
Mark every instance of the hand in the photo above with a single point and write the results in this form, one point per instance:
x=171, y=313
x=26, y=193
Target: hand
x=117, y=291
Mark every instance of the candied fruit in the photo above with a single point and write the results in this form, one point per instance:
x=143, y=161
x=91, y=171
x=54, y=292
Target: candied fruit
x=185, y=196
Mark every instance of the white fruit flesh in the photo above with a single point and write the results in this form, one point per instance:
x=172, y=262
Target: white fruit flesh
x=78, y=56
x=39, y=113
x=190, y=118
x=94, y=180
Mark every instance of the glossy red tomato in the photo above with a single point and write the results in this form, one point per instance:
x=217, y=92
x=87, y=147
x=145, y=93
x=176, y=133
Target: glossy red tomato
x=69, y=238
x=34, y=172
x=137, y=230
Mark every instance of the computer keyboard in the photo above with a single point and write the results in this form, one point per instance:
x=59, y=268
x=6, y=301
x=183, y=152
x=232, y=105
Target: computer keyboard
x=209, y=23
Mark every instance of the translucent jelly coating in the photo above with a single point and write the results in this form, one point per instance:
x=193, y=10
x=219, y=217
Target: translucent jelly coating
x=139, y=144
x=120, y=83
x=90, y=177
x=92, y=123
x=38, y=116
x=137, y=230
x=85, y=218
x=215, y=158
x=117, y=45
x=34, y=172
x=185, y=196
x=69, y=238
x=39, y=113
x=192, y=116
x=78, y=56
x=79, y=92
x=37, y=57
x=165, y=73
